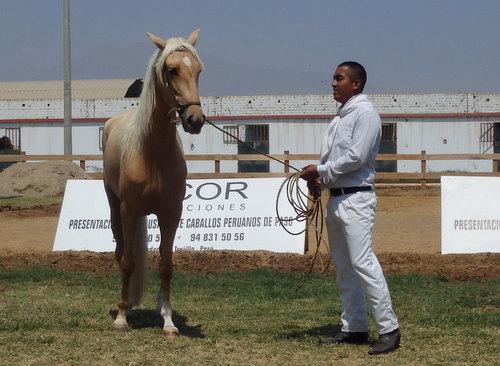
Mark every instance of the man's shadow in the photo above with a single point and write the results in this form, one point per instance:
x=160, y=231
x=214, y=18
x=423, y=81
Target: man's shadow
x=324, y=331
x=143, y=318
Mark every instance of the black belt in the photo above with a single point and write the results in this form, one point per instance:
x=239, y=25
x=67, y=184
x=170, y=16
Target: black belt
x=346, y=190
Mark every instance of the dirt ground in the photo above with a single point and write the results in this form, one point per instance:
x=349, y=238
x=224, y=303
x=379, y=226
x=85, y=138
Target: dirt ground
x=407, y=235
x=406, y=240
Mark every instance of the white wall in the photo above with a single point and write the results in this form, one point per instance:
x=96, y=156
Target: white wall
x=298, y=136
x=48, y=139
x=440, y=137
x=296, y=123
x=262, y=105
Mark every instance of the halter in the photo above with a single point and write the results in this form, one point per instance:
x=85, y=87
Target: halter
x=181, y=107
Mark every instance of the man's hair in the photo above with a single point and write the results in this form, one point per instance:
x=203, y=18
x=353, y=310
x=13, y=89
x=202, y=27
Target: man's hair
x=356, y=72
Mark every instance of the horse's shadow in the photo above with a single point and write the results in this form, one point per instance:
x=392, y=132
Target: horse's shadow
x=143, y=318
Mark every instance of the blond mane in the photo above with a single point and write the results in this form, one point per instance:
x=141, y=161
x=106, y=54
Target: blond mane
x=141, y=121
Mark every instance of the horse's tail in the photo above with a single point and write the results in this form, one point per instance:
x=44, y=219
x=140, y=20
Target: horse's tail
x=137, y=284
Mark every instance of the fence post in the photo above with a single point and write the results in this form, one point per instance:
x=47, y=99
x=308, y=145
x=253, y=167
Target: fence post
x=82, y=164
x=217, y=165
x=287, y=162
x=423, y=170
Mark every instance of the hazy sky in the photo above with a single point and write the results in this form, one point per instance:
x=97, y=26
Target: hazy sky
x=264, y=46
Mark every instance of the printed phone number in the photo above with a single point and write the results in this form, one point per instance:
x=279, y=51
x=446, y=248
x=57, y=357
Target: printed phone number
x=204, y=237
x=218, y=236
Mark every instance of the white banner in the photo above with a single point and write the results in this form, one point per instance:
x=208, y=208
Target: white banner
x=470, y=214
x=238, y=214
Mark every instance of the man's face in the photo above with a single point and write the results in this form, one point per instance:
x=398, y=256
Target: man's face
x=343, y=87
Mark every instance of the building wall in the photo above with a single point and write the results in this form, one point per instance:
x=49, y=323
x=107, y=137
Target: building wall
x=296, y=135
x=440, y=137
x=436, y=103
x=263, y=105
x=296, y=124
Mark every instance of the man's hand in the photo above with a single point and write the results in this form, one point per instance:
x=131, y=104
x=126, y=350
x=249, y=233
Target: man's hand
x=310, y=174
x=314, y=188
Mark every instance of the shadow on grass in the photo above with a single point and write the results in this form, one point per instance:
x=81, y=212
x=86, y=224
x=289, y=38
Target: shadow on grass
x=142, y=318
x=325, y=331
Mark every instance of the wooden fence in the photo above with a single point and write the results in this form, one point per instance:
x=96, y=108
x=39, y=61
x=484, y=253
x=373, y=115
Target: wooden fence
x=423, y=177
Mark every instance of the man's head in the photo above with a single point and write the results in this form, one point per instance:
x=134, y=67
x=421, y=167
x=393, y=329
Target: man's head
x=349, y=79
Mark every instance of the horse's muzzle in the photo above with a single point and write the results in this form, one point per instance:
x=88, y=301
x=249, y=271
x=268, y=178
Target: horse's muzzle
x=192, y=119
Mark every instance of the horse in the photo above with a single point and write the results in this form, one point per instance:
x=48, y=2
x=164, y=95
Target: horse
x=5, y=143
x=144, y=170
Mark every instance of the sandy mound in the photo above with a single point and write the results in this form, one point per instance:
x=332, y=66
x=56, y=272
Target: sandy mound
x=39, y=179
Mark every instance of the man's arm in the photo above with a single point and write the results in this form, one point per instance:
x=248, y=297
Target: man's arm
x=364, y=137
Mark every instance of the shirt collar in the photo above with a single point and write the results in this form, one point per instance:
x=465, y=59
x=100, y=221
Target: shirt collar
x=348, y=106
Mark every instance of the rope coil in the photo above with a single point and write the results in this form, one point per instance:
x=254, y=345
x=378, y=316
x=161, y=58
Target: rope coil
x=308, y=209
x=300, y=202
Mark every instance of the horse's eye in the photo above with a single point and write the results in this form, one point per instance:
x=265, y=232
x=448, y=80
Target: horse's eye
x=172, y=71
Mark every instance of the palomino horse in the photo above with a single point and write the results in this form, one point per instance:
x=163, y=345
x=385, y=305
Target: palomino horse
x=145, y=171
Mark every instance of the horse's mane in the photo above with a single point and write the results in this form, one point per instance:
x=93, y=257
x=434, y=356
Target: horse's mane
x=141, y=121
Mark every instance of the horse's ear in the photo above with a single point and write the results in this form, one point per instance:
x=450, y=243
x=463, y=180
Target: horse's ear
x=160, y=43
x=193, y=37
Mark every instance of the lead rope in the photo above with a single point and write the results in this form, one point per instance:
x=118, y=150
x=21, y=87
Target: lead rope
x=307, y=208
x=251, y=147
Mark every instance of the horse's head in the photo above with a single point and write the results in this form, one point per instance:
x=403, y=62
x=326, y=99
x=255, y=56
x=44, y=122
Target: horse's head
x=178, y=68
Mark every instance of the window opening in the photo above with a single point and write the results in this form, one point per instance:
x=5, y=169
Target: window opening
x=388, y=145
x=257, y=136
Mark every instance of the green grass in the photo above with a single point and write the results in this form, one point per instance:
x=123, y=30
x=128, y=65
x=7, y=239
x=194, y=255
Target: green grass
x=50, y=317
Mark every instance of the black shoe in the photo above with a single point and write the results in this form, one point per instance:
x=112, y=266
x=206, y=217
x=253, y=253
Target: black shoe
x=386, y=343
x=347, y=337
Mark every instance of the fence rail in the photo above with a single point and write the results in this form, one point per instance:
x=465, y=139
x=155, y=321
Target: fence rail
x=423, y=176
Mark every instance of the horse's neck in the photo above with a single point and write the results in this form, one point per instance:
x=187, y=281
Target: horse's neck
x=162, y=128
x=163, y=133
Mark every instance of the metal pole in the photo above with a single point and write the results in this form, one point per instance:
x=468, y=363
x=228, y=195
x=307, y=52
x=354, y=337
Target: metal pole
x=68, y=145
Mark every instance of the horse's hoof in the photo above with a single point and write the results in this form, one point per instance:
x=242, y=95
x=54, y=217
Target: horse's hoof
x=120, y=327
x=170, y=333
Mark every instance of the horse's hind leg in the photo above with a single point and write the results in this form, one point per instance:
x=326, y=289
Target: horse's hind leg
x=116, y=223
x=168, y=226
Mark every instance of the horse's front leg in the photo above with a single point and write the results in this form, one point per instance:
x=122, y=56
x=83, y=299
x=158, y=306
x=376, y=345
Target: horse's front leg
x=120, y=322
x=168, y=226
x=125, y=257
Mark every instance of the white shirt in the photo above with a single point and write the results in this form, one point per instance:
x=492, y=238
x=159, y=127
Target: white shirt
x=350, y=145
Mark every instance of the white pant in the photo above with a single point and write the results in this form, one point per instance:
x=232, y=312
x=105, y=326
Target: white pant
x=350, y=220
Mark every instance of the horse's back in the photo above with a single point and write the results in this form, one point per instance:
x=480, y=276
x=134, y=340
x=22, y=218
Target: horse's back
x=114, y=128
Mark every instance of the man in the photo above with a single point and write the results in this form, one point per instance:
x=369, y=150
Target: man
x=346, y=168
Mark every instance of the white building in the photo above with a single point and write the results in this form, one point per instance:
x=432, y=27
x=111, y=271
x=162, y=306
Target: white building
x=31, y=114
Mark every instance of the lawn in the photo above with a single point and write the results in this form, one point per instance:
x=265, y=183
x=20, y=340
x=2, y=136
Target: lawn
x=51, y=317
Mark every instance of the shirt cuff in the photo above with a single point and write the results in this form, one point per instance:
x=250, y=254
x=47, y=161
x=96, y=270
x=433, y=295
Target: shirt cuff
x=321, y=169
